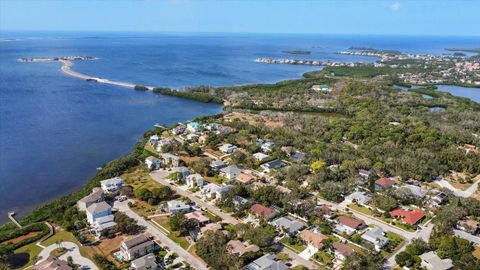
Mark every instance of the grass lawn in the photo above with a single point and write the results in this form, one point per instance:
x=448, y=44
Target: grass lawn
x=324, y=257
x=60, y=236
x=396, y=242
x=32, y=249
x=139, y=178
x=296, y=247
x=163, y=222
x=144, y=209
x=361, y=209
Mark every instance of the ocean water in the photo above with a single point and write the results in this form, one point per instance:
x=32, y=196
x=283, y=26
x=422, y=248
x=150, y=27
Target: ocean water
x=55, y=130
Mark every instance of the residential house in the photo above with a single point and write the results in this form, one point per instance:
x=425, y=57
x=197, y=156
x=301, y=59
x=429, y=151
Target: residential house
x=165, y=142
x=51, y=263
x=383, y=184
x=112, y=185
x=198, y=216
x=98, y=210
x=147, y=262
x=136, y=246
x=216, y=165
x=359, y=197
x=267, y=147
x=245, y=178
x=264, y=212
x=152, y=163
x=213, y=191
x=349, y=225
x=170, y=160
x=227, y=148
x=238, y=248
x=96, y=196
x=194, y=180
x=320, y=87
x=341, y=250
x=411, y=217
x=267, y=262
x=215, y=227
x=104, y=223
x=313, y=239
x=324, y=210
x=376, y=236
x=431, y=261
x=239, y=201
x=153, y=140
x=176, y=206
x=364, y=174
x=290, y=225
x=178, y=130
x=298, y=156
x=436, y=199
x=469, y=225
x=231, y=172
x=412, y=191
x=260, y=156
x=272, y=165
x=193, y=127
x=183, y=171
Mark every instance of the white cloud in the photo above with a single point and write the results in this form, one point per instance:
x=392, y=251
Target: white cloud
x=395, y=6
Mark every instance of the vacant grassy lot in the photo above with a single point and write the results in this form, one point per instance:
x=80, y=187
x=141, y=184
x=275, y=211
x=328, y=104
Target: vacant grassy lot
x=139, y=178
x=164, y=222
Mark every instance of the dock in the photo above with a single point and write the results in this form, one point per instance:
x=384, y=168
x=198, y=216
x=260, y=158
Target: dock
x=11, y=216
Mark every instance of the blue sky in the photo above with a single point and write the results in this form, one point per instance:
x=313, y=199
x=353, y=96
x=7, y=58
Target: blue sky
x=420, y=17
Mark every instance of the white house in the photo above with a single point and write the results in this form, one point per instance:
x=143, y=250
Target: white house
x=194, y=180
x=112, y=185
x=212, y=190
x=152, y=163
x=136, y=246
x=267, y=147
x=98, y=210
x=170, y=160
x=104, y=223
x=227, y=148
x=359, y=197
x=376, y=236
x=431, y=261
x=231, y=172
x=193, y=127
x=260, y=156
x=175, y=206
x=147, y=262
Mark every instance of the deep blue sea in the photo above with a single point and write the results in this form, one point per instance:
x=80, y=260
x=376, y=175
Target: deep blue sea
x=56, y=130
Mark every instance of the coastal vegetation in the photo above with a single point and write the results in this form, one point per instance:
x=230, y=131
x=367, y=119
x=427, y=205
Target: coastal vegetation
x=189, y=94
x=140, y=88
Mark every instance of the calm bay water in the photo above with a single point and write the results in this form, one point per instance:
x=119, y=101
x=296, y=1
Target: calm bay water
x=55, y=130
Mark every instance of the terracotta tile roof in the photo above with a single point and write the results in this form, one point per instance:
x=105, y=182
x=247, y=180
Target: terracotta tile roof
x=262, y=211
x=384, y=182
x=350, y=222
x=410, y=217
x=245, y=178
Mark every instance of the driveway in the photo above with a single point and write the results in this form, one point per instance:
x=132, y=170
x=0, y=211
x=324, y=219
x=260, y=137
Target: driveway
x=160, y=176
x=72, y=250
x=193, y=261
x=308, y=252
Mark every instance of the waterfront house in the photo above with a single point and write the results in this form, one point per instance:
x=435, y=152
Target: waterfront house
x=194, y=180
x=383, y=184
x=216, y=165
x=290, y=225
x=136, y=246
x=264, y=212
x=245, y=178
x=376, y=237
x=176, y=206
x=342, y=251
x=227, y=148
x=170, y=160
x=199, y=217
x=147, y=262
x=193, y=127
x=51, y=263
x=165, y=142
x=313, y=239
x=98, y=210
x=178, y=130
x=230, y=172
x=152, y=163
x=411, y=217
x=238, y=248
x=272, y=165
x=431, y=261
x=96, y=196
x=112, y=185
x=153, y=140
x=267, y=262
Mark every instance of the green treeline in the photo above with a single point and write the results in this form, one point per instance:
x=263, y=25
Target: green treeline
x=189, y=94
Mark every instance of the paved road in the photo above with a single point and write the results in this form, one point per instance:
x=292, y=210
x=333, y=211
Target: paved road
x=72, y=250
x=193, y=261
x=467, y=236
x=160, y=176
x=458, y=192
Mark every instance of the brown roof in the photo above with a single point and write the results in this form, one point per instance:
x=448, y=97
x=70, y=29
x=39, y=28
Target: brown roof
x=135, y=240
x=239, y=248
x=262, y=211
x=384, y=182
x=350, y=222
x=314, y=239
x=245, y=178
x=52, y=263
x=197, y=215
x=343, y=249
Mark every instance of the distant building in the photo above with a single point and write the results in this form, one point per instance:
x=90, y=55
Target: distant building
x=104, y=223
x=413, y=191
x=112, y=185
x=321, y=87
x=267, y=147
x=136, y=246
x=152, y=163
x=147, y=262
x=431, y=261
x=212, y=190
x=95, y=197
x=267, y=262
